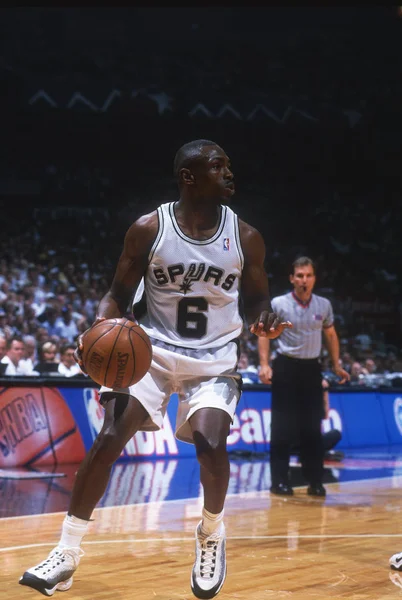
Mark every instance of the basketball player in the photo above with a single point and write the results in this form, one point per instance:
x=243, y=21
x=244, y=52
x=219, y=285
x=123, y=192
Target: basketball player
x=196, y=258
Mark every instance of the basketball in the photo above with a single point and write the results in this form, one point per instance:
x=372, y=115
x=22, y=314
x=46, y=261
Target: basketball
x=117, y=353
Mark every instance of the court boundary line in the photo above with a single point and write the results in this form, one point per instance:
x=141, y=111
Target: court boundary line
x=318, y=536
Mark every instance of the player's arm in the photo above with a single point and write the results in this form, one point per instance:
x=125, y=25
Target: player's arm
x=130, y=267
x=254, y=286
x=129, y=272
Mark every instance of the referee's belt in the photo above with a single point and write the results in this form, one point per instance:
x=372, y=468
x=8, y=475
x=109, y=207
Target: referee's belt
x=293, y=359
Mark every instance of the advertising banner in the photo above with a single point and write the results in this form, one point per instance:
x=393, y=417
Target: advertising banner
x=57, y=425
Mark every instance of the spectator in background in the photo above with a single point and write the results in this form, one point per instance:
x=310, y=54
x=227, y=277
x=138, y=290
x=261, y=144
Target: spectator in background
x=91, y=304
x=67, y=366
x=42, y=335
x=65, y=326
x=346, y=361
x=13, y=359
x=47, y=363
x=52, y=321
x=370, y=366
x=30, y=355
x=3, y=347
x=357, y=373
x=249, y=373
x=5, y=329
x=362, y=342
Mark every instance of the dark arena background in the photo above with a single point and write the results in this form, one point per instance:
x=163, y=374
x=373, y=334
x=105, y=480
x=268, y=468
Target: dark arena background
x=306, y=102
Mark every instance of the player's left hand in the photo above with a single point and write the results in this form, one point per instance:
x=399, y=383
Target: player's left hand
x=342, y=374
x=268, y=325
x=80, y=345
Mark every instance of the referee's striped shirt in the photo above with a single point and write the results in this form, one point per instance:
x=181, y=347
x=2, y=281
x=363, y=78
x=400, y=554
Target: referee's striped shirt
x=305, y=338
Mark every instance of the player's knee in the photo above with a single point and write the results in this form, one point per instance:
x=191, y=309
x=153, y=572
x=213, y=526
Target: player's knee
x=211, y=454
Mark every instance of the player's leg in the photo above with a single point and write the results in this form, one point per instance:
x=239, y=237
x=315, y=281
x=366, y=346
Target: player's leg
x=124, y=415
x=207, y=404
x=210, y=428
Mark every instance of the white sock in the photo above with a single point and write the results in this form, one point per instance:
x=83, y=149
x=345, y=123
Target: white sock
x=72, y=532
x=210, y=522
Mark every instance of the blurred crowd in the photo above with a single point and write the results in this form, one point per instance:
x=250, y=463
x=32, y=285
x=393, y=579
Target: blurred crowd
x=42, y=311
x=369, y=364
x=48, y=294
x=57, y=264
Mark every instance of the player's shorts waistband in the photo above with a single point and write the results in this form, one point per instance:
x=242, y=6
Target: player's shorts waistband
x=191, y=352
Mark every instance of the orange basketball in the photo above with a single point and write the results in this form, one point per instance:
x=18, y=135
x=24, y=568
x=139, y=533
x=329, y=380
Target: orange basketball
x=117, y=353
x=37, y=428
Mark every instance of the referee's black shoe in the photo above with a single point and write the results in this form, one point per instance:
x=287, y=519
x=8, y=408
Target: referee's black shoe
x=316, y=489
x=281, y=489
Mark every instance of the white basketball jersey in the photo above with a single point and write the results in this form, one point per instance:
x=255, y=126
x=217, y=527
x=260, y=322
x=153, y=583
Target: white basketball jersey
x=192, y=286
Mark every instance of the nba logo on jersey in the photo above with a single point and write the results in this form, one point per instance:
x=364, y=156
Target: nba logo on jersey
x=226, y=244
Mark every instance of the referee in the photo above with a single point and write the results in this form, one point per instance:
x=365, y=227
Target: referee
x=297, y=395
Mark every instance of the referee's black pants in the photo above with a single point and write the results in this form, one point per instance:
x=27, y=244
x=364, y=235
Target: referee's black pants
x=296, y=413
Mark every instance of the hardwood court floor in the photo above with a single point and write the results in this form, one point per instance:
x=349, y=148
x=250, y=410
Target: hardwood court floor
x=296, y=548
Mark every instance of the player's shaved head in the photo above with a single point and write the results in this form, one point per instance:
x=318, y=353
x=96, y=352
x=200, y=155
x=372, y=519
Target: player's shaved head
x=190, y=153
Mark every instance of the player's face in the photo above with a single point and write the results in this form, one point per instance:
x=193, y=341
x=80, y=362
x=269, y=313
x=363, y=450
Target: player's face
x=303, y=279
x=213, y=175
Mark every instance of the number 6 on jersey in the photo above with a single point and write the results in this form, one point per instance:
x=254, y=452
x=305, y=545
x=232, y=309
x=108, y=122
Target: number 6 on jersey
x=191, y=320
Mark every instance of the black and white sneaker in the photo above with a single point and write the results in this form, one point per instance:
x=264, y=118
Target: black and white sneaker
x=55, y=572
x=395, y=562
x=209, y=571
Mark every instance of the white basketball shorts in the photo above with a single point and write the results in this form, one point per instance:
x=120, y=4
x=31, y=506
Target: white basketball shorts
x=201, y=379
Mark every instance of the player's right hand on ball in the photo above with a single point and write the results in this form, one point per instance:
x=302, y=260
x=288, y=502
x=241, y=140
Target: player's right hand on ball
x=80, y=344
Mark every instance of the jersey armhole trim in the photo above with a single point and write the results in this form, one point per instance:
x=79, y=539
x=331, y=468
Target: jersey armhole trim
x=161, y=223
x=237, y=239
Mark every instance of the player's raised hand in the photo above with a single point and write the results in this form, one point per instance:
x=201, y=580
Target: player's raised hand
x=269, y=325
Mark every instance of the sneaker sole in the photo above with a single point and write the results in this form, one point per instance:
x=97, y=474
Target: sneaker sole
x=207, y=594
x=40, y=586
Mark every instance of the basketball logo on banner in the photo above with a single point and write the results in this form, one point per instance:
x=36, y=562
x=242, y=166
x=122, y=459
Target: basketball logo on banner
x=94, y=410
x=37, y=428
